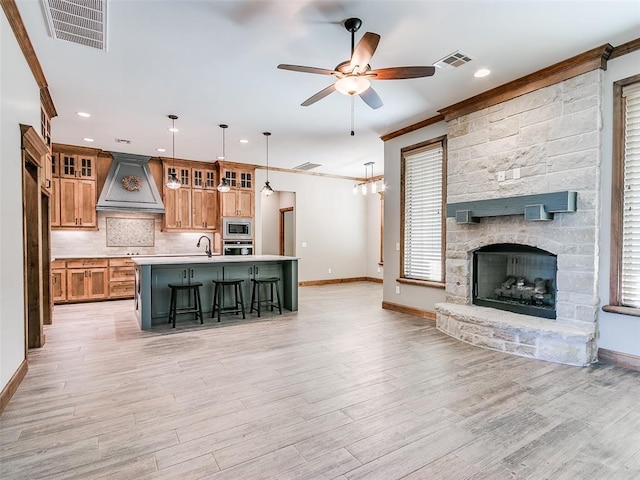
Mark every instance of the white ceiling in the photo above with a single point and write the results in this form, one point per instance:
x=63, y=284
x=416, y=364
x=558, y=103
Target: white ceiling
x=213, y=62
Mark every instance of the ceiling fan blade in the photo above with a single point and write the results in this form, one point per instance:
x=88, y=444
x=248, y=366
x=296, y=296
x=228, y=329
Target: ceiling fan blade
x=371, y=98
x=300, y=68
x=399, y=73
x=319, y=96
x=364, y=51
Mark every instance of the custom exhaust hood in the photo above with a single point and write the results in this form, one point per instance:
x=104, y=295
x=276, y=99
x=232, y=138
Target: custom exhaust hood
x=129, y=186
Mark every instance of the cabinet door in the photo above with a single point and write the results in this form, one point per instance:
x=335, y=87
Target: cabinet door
x=76, y=284
x=242, y=271
x=68, y=164
x=54, y=202
x=97, y=283
x=204, y=209
x=47, y=174
x=86, y=167
x=229, y=207
x=177, y=205
x=86, y=203
x=68, y=194
x=160, y=291
x=58, y=285
x=205, y=275
x=245, y=203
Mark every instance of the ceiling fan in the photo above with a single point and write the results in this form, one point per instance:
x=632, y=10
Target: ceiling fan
x=354, y=75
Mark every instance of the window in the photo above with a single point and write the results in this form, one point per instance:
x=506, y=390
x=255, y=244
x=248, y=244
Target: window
x=423, y=212
x=625, y=198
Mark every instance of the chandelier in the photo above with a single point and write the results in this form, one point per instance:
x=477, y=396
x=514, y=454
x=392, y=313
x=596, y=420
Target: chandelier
x=370, y=185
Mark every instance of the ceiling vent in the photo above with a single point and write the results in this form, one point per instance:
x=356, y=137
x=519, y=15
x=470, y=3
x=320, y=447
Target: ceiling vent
x=307, y=166
x=453, y=60
x=78, y=21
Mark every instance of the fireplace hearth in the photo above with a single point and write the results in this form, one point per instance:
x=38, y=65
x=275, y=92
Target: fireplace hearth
x=515, y=278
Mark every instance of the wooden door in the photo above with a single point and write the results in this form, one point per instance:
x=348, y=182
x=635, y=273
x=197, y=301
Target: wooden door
x=204, y=209
x=97, y=283
x=184, y=207
x=86, y=167
x=229, y=207
x=58, y=285
x=76, y=284
x=245, y=203
x=86, y=203
x=68, y=195
x=68, y=165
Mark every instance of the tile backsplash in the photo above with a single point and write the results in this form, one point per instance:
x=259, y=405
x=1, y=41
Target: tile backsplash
x=87, y=243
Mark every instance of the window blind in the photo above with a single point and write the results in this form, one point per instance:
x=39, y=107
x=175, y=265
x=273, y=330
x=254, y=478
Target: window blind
x=630, y=279
x=423, y=214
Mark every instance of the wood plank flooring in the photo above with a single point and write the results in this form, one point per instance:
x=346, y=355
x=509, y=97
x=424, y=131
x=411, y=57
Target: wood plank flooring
x=339, y=390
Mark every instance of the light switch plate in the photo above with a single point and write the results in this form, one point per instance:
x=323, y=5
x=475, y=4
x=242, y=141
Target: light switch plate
x=502, y=175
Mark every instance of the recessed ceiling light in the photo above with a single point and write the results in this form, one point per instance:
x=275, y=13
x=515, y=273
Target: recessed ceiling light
x=483, y=72
x=173, y=129
x=83, y=114
x=161, y=149
x=244, y=140
x=87, y=139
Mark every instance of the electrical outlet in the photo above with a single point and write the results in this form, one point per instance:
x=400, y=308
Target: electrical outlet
x=330, y=270
x=502, y=175
x=378, y=269
x=397, y=289
x=304, y=244
x=516, y=173
x=397, y=247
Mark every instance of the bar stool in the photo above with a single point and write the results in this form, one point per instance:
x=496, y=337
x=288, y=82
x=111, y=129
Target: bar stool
x=218, y=297
x=256, y=303
x=197, y=306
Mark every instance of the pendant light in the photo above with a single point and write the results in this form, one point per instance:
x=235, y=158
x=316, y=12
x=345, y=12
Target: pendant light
x=224, y=183
x=267, y=190
x=172, y=182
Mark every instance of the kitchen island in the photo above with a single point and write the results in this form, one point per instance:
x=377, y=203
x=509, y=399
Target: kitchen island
x=154, y=274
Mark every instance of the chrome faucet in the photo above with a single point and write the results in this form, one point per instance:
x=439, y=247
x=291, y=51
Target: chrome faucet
x=207, y=248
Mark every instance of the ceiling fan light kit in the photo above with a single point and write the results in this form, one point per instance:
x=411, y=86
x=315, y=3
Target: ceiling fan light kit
x=172, y=182
x=354, y=76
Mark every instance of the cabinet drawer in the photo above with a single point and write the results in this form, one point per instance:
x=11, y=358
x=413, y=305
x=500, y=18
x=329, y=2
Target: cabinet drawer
x=121, y=289
x=88, y=263
x=58, y=264
x=121, y=262
x=119, y=274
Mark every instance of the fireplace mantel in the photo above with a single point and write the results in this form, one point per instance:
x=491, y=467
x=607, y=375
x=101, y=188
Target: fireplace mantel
x=533, y=207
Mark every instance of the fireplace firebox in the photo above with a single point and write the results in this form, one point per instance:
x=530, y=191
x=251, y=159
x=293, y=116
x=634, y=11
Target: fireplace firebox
x=516, y=278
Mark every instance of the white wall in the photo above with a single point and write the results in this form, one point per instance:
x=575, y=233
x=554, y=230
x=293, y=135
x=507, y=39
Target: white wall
x=270, y=223
x=617, y=332
x=374, y=270
x=423, y=298
x=19, y=104
x=329, y=219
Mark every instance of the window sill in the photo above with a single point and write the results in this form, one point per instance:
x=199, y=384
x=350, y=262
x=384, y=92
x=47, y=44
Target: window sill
x=420, y=283
x=634, y=312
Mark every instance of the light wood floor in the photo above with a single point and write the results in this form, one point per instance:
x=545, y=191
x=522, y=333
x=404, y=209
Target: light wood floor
x=340, y=390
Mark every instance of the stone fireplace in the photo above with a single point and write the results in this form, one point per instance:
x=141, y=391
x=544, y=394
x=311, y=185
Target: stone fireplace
x=507, y=167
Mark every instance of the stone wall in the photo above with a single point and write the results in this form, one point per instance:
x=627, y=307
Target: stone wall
x=551, y=137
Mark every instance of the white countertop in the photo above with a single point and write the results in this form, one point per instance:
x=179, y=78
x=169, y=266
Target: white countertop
x=124, y=255
x=169, y=260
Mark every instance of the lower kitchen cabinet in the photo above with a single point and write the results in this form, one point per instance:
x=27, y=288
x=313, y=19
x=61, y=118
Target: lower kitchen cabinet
x=162, y=277
x=58, y=281
x=121, y=278
x=91, y=279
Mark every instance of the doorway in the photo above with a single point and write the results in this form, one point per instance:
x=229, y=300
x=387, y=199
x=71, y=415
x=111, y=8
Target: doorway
x=287, y=243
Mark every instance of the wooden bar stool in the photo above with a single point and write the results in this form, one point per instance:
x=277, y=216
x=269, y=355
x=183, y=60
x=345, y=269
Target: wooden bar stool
x=218, y=297
x=173, y=307
x=256, y=302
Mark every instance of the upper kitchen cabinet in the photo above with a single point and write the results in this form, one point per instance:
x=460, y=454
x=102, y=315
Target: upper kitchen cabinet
x=73, y=187
x=193, y=206
x=45, y=130
x=239, y=201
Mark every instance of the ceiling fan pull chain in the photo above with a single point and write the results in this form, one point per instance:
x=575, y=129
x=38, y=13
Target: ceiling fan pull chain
x=352, y=115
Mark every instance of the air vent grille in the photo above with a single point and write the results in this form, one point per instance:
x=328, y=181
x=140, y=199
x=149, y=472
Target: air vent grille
x=307, y=166
x=78, y=21
x=453, y=60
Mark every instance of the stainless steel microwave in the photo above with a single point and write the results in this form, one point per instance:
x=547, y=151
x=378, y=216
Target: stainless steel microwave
x=237, y=228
